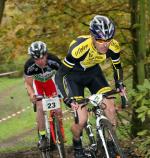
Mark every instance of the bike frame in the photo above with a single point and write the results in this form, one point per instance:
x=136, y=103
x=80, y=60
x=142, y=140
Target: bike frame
x=49, y=125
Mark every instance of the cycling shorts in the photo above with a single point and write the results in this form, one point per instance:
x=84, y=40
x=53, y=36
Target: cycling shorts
x=92, y=78
x=47, y=88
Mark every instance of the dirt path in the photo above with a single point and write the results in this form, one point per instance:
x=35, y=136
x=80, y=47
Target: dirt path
x=34, y=153
x=15, y=139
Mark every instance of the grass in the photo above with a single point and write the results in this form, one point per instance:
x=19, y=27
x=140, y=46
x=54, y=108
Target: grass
x=17, y=125
x=6, y=82
x=13, y=96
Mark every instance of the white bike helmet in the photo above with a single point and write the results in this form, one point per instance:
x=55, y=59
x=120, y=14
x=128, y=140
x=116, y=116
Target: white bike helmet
x=102, y=28
x=37, y=49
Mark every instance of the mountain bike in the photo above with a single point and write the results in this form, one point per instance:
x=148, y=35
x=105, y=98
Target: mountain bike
x=106, y=144
x=52, y=127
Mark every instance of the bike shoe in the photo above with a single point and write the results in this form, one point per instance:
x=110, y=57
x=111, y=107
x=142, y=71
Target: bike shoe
x=43, y=143
x=79, y=153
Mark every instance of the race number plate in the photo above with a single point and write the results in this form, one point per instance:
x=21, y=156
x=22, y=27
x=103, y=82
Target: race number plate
x=50, y=103
x=96, y=99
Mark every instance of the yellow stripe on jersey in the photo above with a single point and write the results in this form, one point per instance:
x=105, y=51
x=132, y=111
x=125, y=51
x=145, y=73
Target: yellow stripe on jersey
x=67, y=64
x=104, y=90
x=118, y=62
x=78, y=97
x=114, y=46
x=74, y=41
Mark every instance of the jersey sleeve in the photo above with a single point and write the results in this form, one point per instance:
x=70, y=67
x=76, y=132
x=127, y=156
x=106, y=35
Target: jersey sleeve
x=114, y=54
x=28, y=69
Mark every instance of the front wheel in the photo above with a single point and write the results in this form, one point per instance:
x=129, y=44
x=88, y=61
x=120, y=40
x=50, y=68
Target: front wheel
x=108, y=144
x=59, y=139
x=45, y=154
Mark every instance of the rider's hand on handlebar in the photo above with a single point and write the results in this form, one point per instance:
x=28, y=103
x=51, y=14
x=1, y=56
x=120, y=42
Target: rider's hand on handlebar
x=33, y=98
x=120, y=87
x=70, y=102
x=74, y=106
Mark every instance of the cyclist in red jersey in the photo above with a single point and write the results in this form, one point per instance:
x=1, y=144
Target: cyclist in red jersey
x=38, y=73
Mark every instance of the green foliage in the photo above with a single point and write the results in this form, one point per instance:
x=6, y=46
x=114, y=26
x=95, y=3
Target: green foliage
x=55, y=22
x=141, y=95
x=141, y=101
x=143, y=146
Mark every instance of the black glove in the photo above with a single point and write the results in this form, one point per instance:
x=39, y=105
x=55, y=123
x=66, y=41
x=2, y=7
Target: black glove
x=119, y=85
x=124, y=100
x=68, y=101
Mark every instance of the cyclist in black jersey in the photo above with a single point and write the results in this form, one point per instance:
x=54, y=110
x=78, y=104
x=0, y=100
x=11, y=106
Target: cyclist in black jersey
x=81, y=69
x=38, y=73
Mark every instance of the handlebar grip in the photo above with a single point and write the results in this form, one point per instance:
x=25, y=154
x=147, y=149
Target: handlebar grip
x=76, y=117
x=124, y=102
x=34, y=107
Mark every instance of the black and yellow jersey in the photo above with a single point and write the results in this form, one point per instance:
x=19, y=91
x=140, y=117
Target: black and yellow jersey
x=82, y=54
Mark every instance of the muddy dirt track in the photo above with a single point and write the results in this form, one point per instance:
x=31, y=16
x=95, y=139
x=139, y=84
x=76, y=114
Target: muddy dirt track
x=34, y=153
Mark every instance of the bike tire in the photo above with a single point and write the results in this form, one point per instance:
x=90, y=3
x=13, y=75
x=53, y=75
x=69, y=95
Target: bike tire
x=108, y=131
x=59, y=139
x=45, y=154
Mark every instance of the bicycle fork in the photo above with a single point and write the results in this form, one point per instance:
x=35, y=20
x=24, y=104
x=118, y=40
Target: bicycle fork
x=100, y=132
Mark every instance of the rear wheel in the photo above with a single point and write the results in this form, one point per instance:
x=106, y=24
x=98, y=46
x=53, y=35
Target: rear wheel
x=59, y=139
x=109, y=147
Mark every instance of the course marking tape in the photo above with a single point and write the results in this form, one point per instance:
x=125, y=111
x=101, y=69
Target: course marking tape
x=14, y=114
x=25, y=109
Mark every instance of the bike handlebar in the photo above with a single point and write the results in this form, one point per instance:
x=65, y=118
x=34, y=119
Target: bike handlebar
x=124, y=99
x=85, y=101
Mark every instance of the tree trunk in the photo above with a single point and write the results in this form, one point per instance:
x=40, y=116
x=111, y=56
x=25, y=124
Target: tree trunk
x=147, y=65
x=139, y=46
x=2, y=6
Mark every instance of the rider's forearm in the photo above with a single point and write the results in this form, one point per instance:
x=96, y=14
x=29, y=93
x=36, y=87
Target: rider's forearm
x=118, y=74
x=29, y=86
x=30, y=89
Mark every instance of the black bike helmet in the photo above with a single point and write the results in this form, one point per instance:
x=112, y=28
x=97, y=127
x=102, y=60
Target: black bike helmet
x=37, y=49
x=102, y=28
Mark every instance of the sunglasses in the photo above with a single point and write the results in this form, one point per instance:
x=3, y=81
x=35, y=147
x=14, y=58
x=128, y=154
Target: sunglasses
x=103, y=41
